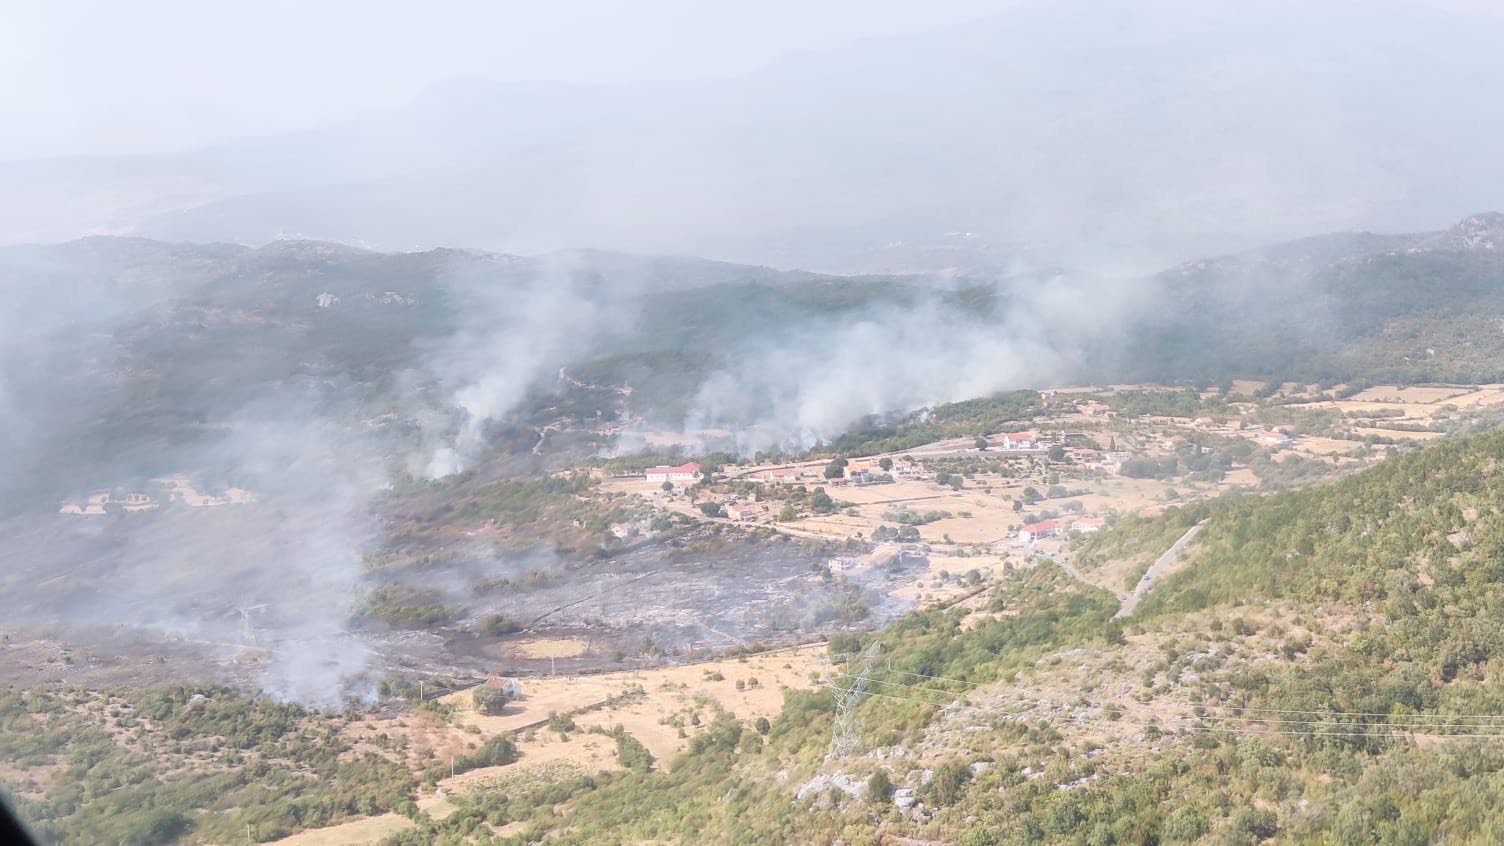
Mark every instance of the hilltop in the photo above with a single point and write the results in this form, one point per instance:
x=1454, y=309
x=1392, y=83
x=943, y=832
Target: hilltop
x=1340, y=308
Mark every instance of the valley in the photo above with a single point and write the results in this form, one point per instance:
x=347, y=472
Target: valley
x=695, y=560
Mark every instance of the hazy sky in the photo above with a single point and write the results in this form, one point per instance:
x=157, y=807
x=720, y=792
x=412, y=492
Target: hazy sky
x=82, y=76
x=102, y=76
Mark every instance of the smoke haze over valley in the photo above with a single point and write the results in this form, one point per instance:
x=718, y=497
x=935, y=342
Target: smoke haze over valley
x=872, y=421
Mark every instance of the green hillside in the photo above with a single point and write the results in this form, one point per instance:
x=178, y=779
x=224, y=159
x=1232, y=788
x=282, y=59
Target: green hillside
x=1372, y=309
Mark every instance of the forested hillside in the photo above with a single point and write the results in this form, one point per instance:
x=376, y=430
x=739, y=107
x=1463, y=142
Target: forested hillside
x=1342, y=308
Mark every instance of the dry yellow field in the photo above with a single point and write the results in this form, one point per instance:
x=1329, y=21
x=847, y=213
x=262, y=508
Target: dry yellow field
x=666, y=691
x=553, y=647
x=369, y=830
x=1410, y=396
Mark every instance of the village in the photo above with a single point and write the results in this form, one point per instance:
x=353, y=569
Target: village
x=954, y=515
x=934, y=525
x=1000, y=500
x=168, y=490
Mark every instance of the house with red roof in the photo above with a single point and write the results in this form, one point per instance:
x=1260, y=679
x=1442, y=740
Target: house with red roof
x=1037, y=531
x=687, y=472
x=1021, y=440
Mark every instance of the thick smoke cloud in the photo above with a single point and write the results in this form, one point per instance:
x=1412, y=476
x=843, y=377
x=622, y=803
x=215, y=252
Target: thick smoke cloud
x=798, y=391
x=511, y=338
x=268, y=585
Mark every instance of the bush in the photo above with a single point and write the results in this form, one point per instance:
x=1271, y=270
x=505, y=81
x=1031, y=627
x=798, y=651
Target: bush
x=490, y=700
x=631, y=753
x=944, y=787
x=496, y=625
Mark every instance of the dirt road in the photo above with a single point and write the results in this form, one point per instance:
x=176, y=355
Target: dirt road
x=1164, y=562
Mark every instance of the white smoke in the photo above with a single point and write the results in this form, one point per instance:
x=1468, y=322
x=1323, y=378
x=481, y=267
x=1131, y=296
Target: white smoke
x=510, y=340
x=795, y=393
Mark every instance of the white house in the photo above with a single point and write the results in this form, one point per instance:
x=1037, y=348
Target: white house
x=1087, y=525
x=682, y=473
x=1020, y=440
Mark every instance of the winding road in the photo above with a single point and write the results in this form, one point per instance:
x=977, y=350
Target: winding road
x=1164, y=562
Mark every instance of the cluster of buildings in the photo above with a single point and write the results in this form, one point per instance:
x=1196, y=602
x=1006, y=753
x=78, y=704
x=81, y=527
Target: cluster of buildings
x=99, y=503
x=171, y=489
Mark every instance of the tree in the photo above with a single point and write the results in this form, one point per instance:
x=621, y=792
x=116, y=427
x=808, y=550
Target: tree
x=879, y=788
x=787, y=513
x=710, y=509
x=821, y=502
x=835, y=469
x=981, y=443
x=885, y=463
x=1057, y=453
x=489, y=699
x=668, y=487
x=1031, y=495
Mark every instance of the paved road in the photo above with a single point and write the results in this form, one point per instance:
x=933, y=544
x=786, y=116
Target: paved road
x=1164, y=562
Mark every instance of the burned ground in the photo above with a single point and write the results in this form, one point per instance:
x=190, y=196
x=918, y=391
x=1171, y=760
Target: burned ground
x=104, y=597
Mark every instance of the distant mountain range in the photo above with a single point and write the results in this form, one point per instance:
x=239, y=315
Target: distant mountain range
x=1101, y=135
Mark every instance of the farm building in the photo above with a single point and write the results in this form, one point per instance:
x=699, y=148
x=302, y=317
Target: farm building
x=1037, y=531
x=746, y=511
x=510, y=686
x=682, y=473
x=1021, y=440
